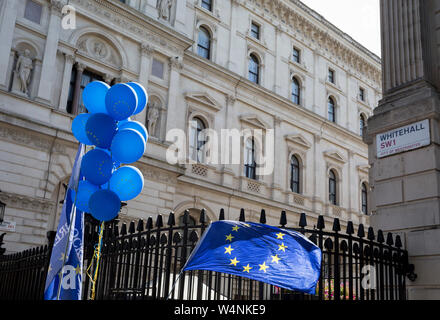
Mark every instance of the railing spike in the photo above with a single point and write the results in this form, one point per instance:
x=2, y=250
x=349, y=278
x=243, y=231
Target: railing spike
x=398, y=243
x=185, y=217
x=361, y=231
x=350, y=228
x=380, y=237
x=140, y=226
x=159, y=221
x=242, y=216
x=131, y=229
x=390, y=240
x=370, y=235
x=283, y=218
x=221, y=215
x=171, y=219
x=149, y=225
x=303, y=220
x=263, y=216
x=321, y=224
x=202, y=219
x=336, y=225
x=124, y=229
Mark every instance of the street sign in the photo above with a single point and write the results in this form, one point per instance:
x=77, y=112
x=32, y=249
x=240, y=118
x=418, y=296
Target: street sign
x=8, y=226
x=403, y=139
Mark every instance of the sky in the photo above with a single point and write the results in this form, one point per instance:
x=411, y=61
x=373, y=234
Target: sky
x=360, y=19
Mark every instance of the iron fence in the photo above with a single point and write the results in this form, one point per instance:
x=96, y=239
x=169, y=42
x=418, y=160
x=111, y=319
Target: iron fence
x=142, y=261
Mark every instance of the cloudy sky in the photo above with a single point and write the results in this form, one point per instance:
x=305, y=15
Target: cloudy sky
x=358, y=18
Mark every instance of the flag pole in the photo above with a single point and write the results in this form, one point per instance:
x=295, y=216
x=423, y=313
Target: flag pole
x=175, y=282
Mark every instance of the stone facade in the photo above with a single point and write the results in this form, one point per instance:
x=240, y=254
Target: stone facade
x=156, y=44
x=405, y=195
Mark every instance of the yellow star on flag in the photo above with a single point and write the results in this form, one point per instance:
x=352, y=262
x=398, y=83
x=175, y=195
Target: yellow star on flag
x=234, y=261
x=282, y=247
x=247, y=268
x=228, y=249
x=235, y=228
x=263, y=266
x=229, y=237
x=49, y=269
x=62, y=257
x=247, y=225
x=275, y=258
x=280, y=236
x=78, y=269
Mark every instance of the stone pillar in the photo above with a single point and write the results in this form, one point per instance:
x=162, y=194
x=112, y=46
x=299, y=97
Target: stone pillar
x=50, y=52
x=69, y=59
x=7, y=26
x=227, y=165
x=176, y=108
x=76, y=93
x=232, y=64
x=318, y=175
x=144, y=75
x=406, y=185
x=279, y=171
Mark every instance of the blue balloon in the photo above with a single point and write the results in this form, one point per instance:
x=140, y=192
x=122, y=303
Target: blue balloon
x=121, y=101
x=97, y=167
x=135, y=125
x=94, y=96
x=82, y=197
x=127, y=182
x=79, y=128
x=104, y=205
x=141, y=95
x=115, y=162
x=100, y=129
x=128, y=146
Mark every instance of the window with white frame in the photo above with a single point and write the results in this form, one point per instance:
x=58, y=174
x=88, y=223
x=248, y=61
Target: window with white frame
x=332, y=188
x=204, y=43
x=250, y=165
x=296, y=91
x=197, y=140
x=294, y=174
x=254, y=69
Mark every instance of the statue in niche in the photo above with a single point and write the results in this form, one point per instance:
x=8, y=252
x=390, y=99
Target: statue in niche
x=164, y=8
x=153, y=116
x=23, y=70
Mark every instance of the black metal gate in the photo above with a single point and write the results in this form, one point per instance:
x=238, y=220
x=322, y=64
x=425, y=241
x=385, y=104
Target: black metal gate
x=143, y=261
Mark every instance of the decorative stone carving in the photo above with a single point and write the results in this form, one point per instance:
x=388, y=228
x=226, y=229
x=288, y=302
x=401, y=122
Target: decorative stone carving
x=176, y=62
x=164, y=8
x=153, y=116
x=99, y=49
x=23, y=70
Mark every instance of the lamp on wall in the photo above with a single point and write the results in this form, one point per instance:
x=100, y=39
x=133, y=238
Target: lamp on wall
x=2, y=211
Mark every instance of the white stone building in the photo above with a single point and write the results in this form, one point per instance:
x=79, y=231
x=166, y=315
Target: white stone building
x=225, y=64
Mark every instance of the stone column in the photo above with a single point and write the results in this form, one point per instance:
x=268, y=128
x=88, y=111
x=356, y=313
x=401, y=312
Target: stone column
x=176, y=108
x=69, y=59
x=406, y=185
x=280, y=166
x=318, y=175
x=50, y=52
x=76, y=93
x=144, y=75
x=232, y=65
x=229, y=119
x=7, y=26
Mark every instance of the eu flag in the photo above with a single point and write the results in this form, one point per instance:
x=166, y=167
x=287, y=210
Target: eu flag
x=64, y=277
x=280, y=257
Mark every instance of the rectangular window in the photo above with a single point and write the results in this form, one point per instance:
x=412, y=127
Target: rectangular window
x=362, y=94
x=207, y=4
x=33, y=11
x=331, y=76
x=86, y=78
x=255, y=31
x=157, y=68
x=296, y=55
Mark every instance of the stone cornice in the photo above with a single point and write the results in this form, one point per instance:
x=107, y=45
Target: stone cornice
x=23, y=202
x=320, y=32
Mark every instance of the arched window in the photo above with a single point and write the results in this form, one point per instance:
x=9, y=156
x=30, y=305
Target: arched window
x=294, y=174
x=364, y=197
x=361, y=124
x=332, y=186
x=331, y=110
x=250, y=164
x=204, y=43
x=254, y=69
x=296, y=90
x=197, y=140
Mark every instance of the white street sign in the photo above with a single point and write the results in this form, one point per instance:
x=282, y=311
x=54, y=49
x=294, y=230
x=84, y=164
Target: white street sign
x=7, y=226
x=406, y=138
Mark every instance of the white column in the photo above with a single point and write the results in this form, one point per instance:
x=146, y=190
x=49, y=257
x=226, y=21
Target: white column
x=176, y=113
x=180, y=21
x=7, y=26
x=69, y=59
x=50, y=52
x=144, y=75
x=318, y=175
x=279, y=170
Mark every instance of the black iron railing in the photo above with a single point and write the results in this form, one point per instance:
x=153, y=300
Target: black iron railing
x=143, y=261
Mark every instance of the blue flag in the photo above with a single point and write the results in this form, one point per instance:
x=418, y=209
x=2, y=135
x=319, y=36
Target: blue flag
x=65, y=283
x=280, y=257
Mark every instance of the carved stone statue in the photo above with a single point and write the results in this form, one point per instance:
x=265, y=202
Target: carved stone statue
x=164, y=8
x=153, y=115
x=23, y=70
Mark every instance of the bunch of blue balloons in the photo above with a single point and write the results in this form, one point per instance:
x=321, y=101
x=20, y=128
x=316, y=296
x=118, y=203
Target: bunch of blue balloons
x=117, y=141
